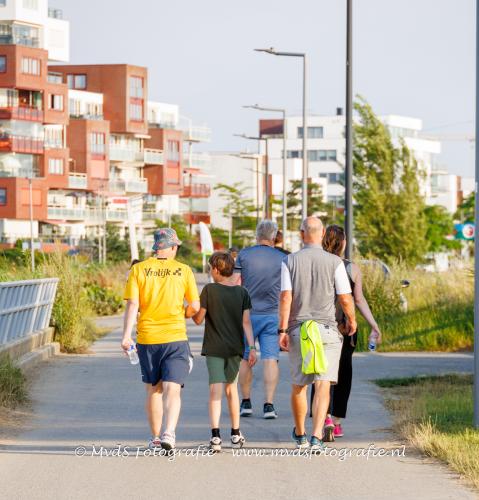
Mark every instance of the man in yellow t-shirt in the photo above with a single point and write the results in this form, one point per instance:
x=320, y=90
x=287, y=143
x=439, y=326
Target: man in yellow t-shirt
x=158, y=288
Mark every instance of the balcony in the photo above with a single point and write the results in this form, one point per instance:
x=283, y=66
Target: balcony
x=139, y=185
x=197, y=217
x=86, y=214
x=21, y=113
x=154, y=157
x=26, y=41
x=21, y=144
x=196, y=191
x=77, y=181
x=124, y=154
x=64, y=213
x=197, y=134
x=196, y=160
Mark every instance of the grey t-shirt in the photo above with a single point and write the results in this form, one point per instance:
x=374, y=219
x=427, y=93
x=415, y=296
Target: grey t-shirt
x=260, y=268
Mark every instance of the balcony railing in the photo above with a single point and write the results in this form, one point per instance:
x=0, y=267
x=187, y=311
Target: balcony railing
x=197, y=217
x=136, y=186
x=197, y=160
x=21, y=113
x=77, y=181
x=26, y=41
x=154, y=157
x=124, y=154
x=197, y=134
x=21, y=144
x=86, y=214
x=196, y=191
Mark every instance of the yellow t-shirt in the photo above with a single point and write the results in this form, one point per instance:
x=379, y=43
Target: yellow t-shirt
x=160, y=286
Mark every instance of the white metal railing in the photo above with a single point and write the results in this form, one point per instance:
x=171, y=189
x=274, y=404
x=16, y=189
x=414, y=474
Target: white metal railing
x=197, y=134
x=136, y=185
x=25, y=307
x=125, y=154
x=198, y=160
x=86, y=214
x=77, y=181
x=154, y=157
x=116, y=185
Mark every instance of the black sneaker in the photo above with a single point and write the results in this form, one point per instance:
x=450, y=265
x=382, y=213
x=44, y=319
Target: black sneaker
x=246, y=410
x=269, y=412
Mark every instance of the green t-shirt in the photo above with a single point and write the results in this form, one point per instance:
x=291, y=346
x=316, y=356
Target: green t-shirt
x=224, y=335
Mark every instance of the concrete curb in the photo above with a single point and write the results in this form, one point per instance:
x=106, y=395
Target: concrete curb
x=29, y=351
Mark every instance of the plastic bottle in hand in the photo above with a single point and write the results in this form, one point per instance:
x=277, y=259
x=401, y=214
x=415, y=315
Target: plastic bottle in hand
x=133, y=355
x=372, y=342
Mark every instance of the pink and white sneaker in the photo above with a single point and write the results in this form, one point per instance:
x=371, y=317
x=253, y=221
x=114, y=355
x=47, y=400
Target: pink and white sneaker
x=328, y=430
x=338, y=431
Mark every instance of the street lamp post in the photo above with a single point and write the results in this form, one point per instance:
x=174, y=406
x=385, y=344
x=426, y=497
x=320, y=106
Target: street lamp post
x=285, y=181
x=348, y=205
x=305, y=124
x=30, y=196
x=476, y=242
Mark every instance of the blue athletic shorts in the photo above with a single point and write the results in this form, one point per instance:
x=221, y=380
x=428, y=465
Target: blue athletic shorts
x=265, y=329
x=166, y=362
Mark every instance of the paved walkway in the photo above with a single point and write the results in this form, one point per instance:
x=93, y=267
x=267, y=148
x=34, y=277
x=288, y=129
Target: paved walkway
x=98, y=399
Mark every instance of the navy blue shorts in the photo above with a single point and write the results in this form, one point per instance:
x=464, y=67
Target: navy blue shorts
x=169, y=362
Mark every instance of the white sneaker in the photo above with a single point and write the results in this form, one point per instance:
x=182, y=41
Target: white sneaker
x=215, y=444
x=237, y=441
x=168, y=440
x=154, y=442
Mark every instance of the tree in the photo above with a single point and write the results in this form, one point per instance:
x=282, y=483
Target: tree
x=237, y=206
x=389, y=209
x=439, y=225
x=117, y=248
x=465, y=211
x=316, y=204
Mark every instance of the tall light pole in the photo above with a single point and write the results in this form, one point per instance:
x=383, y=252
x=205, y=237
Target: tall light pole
x=285, y=180
x=266, y=171
x=348, y=204
x=476, y=242
x=30, y=197
x=305, y=124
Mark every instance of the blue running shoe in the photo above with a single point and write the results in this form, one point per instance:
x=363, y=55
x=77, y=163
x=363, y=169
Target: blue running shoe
x=301, y=441
x=317, y=444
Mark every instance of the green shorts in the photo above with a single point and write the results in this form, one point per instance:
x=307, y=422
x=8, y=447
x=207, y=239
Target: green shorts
x=223, y=370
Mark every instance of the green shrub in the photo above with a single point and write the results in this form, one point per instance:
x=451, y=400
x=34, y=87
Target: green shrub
x=12, y=384
x=103, y=301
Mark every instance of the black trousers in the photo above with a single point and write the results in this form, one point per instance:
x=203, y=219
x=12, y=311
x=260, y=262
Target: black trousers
x=340, y=392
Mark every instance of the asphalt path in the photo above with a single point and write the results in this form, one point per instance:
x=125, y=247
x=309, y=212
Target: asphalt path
x=87, y=433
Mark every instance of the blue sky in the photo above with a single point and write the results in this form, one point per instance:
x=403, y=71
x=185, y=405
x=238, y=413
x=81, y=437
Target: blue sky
x=412, y=57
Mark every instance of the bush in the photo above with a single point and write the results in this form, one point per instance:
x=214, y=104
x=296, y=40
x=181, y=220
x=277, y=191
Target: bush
x=103, y=301
x=12, y=384
x=70, y=312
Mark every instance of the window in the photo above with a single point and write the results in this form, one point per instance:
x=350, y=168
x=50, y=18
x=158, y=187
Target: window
x=136, y=111
x=31, y=66
x=30, y=4
x=97, y=144
x=55, y=102
x=3, y=64
x=3, y=196
x=173, y=151
x=136, y=86
x=53, y=137
x=336, y=178
x=294, y=154
x=314, y=154
x=55, y=166
x=76, y=81
x=313, y=132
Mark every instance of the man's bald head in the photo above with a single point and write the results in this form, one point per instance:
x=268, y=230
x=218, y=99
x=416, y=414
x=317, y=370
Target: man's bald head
x=312, y=230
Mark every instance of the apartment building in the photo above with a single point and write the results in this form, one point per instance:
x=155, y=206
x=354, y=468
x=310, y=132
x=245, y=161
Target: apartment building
x=326, y=150
x=81, y=144
x=33, y=113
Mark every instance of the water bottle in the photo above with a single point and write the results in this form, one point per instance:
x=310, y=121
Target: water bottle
x=372, y=343
x=133, y=355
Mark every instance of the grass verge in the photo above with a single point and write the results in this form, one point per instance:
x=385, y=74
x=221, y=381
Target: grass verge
x=434, y=413
x=13, y=390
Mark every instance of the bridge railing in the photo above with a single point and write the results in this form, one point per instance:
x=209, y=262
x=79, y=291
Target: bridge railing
x=25, y=307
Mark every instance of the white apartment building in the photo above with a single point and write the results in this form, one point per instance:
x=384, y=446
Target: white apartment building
x=33, y=23
x=326, y=154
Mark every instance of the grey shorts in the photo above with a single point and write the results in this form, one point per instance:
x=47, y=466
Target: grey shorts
x=332, y=343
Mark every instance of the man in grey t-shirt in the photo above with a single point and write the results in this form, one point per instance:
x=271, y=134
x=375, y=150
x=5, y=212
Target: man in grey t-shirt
x=310, y=281
x=260, y=268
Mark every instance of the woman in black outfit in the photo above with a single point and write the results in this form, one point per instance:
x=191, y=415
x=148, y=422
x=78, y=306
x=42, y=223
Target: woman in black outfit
x=334, y=242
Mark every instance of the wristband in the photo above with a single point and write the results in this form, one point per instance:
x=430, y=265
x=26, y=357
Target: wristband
x=252, y=348
x=282, y=330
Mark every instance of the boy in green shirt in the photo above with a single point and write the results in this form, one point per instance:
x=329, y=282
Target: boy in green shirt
x=226, y=307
